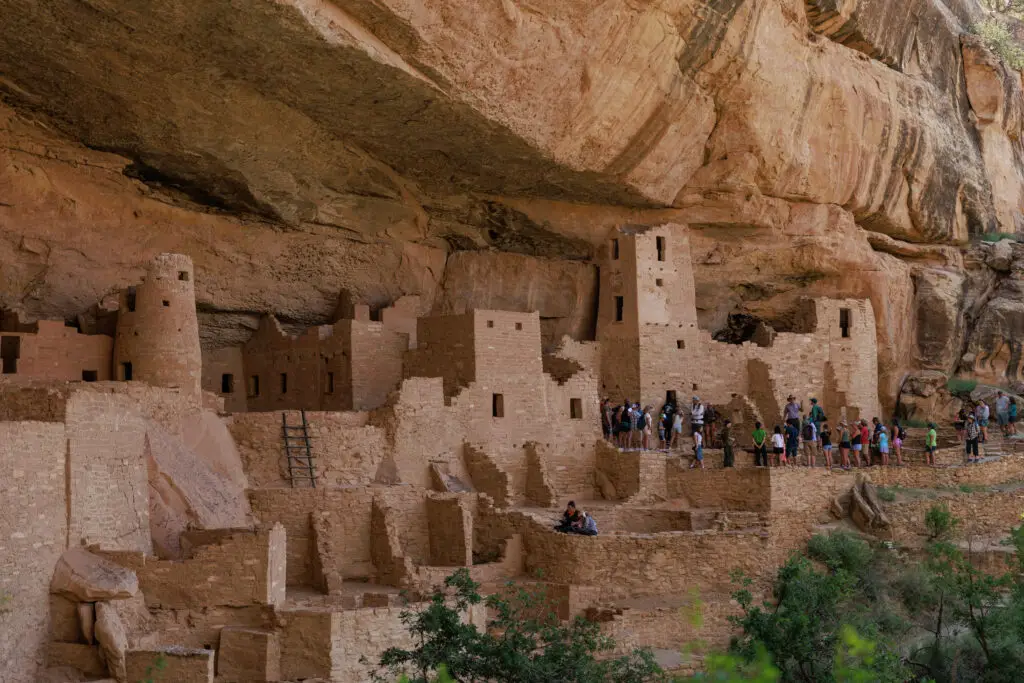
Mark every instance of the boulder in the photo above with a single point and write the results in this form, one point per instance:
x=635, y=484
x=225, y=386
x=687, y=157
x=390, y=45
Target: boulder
x=87, y=577
x=113, y=641
x=1000, y=256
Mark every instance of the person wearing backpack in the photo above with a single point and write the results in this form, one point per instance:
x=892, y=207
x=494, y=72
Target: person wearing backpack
x=817, y=414
x=809, y=436
x=898, y=435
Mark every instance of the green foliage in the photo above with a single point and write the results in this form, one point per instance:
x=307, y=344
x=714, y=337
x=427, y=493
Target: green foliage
x=524, y=641
x=887, y=495
x=154, y=669
x=961, y=385
x=802, y=626
x=996, y=36
x=997, y=236
x=1013, y=7
x=940, y=522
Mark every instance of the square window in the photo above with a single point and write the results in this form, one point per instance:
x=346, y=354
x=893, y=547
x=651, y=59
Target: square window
x=227, y=383
x=576, y=408
x=490, y=323
x=519, y=326
x=659, y=282
x=183, y=275
x=90, y=375
x=680, y=344
x=497, y=405
x=166, y=303
x=619, y=305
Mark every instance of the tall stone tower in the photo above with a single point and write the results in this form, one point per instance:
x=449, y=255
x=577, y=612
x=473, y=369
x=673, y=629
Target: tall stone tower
x=647, y=315
x=157, y=329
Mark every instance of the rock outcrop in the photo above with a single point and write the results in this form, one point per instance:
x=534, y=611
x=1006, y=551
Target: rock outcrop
x=87, y=577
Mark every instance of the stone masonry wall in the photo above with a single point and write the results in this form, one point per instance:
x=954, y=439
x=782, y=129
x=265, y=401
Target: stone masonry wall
x=59, y=352
x=33, y=534
x=451, y=530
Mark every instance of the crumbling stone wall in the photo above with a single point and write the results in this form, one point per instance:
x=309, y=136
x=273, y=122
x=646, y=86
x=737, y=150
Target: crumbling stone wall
x=58, y=352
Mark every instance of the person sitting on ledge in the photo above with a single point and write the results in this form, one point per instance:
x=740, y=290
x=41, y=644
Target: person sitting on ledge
x=586, y=527
x=570, y=517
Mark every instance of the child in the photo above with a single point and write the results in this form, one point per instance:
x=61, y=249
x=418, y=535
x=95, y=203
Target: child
x=760, y=437
x=883, y=446
x=777, y=447
x=931, y=444
x=826, y=444
x=698, y=449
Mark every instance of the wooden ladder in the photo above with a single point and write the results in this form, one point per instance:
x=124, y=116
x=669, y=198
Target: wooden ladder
x=298, y=451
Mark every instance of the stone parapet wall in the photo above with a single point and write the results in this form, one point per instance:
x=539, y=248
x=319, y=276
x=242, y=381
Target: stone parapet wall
x=981, y=514
x=745, y=489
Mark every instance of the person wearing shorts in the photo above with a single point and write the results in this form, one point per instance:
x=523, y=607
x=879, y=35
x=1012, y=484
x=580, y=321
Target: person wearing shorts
x=825, y=436
x=857, y=444
x=778, y=447
x=931, y=444
x=844, y=445
x=897, y=441
x=698, y=449
x=792, y=443
x=677, y=429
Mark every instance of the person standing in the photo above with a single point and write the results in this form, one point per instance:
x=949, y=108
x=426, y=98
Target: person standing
x=883, y=446
x=728, y=441
x=647, y=428
x=696, y=415
x=898, y=435
x=865, y=440
x=634, y=424
x=792, y=444
x=779, y=447
x=857, y=442
x=624, y=425
x=960, y=423
x=698, y=449
x=931, y=444
x=844, y=445
x=1003, y=412
x=710, y=421
x=972, y=432
x=1013, y=415
x=677, y=429
x=760, y=437
x=825, y=436
x=817, y=414
x=810, y=441
x=791, y=413
x=982, y=412
x=606, y=419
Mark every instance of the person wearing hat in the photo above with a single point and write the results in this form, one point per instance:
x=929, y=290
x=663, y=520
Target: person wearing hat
x=931, y=444
x=791, y=413
x=972, y=432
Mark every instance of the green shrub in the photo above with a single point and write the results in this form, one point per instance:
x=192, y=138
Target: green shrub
x=886, y=494
x=996, y=36
x=940, y=522
x=961, y=385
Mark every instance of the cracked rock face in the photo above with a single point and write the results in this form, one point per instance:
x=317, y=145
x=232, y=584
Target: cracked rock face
x=479, y=154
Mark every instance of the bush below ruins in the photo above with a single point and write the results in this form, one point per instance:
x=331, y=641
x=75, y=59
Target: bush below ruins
x=849, y=610
x=524, y=642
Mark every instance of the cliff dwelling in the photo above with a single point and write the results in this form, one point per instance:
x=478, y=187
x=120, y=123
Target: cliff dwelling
x=307, y=307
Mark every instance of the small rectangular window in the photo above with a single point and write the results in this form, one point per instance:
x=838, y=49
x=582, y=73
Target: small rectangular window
x=576, y=408
x=519, y=326
x=183, y=275
x=10, y=351
x=90, y=375
x=227, y=383
x=284, y=382
x=490, y=323
x=498, y=405
x=131, y=299
x=659, y=282
x=166, y=303
x=660, y=242
x=844, y=322
x=126, y=372
x=615, y=250
x=330, y=382
x=254, y=386
x=680, y=344
x=619, y=305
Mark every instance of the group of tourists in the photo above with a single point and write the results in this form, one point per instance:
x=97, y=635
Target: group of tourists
x=576, y=522
x=801, y=433
x=972, y=422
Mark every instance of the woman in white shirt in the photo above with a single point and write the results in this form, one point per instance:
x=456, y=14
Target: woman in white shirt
x=779, y=446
